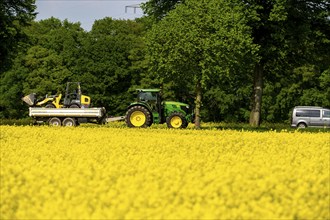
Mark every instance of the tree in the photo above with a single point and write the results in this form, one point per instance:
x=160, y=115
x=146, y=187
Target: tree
x=11, y=85
x=157, y=9
x=110, y=62
x=291, y=34
x=62, y=37
x=287, y=33
x=47, y=73
x=42, y=64
x=200, y=41
x=14, y=15
x=107, y=61
x=39, y=71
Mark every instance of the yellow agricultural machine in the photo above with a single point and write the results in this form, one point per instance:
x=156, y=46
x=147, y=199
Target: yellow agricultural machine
x=73, y=98
x=50, y=101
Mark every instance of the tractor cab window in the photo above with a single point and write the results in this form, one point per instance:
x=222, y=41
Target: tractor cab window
x=147, y=96
x=152, y=98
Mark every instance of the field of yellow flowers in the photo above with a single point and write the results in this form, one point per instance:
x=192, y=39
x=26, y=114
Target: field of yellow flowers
x=120, y=173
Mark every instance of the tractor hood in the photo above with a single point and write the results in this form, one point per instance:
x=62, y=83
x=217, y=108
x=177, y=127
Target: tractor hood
x=175, y=103
x=171, y=107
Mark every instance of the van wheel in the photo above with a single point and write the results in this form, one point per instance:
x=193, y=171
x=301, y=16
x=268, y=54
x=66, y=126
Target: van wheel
x=302, y=125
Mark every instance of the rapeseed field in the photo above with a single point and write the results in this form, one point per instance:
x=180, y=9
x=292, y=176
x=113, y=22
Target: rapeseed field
x=120, y=173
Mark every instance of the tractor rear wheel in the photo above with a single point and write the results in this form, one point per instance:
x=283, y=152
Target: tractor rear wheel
x=138, y=116
x=176, y=120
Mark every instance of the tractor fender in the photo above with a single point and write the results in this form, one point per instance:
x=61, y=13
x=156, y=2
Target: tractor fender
x=139, y=104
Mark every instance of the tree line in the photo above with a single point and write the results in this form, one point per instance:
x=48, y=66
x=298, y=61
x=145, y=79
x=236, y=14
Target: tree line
x=247, y=61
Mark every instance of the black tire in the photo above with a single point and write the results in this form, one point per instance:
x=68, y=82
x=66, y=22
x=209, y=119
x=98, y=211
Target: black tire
x=54, y=121
x=74, y=106
x=102, y=121
x=50, y=105
x=138, y=116
x=176, y=120
x=69, y=122
x=302, y=125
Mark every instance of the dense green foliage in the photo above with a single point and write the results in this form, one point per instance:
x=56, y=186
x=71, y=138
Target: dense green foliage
x=179, y=45
x=293, y=40
x=201, y=42
x=58, y=52
x=14, y=15
x=292, y=36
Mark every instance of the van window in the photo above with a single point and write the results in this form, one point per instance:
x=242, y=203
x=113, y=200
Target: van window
x=308, y=113
x=326, y=114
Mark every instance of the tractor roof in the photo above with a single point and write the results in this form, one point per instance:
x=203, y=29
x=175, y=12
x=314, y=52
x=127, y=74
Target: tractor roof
x=148, y=90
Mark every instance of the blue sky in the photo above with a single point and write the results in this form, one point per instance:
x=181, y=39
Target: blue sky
x=87, y=11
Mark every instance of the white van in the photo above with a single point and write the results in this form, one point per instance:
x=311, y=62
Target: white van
x=310, y=116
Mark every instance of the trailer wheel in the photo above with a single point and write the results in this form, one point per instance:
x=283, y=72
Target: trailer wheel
x=102, y=121
x=69, y=122
x=74, y=106
x=50, y=105
x=176, y=120
x=54, y=121
x=138, y=116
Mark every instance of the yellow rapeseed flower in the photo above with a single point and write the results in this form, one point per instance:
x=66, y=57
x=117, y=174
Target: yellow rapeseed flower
x=119, y=173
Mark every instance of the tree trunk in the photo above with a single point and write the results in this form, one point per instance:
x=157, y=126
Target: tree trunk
x=198, y=103
x=255, y=115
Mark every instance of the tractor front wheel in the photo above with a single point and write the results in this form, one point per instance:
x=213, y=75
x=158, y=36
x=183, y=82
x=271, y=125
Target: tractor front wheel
x=138, y=116
x=176, y=120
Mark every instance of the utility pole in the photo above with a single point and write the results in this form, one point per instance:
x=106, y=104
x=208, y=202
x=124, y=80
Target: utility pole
x=134, y=7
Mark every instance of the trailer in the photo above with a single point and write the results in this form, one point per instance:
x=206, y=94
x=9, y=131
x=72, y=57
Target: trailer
x=68, y=116
x=149, y=108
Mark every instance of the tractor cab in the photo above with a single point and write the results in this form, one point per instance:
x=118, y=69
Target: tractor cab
x=148, y=95
x=151, y=97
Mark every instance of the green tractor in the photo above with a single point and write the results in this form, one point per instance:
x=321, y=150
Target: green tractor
x=150, y=108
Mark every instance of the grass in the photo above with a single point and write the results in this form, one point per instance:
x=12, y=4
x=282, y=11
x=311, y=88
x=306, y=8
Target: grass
x=264, y=127
x=23, y=121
